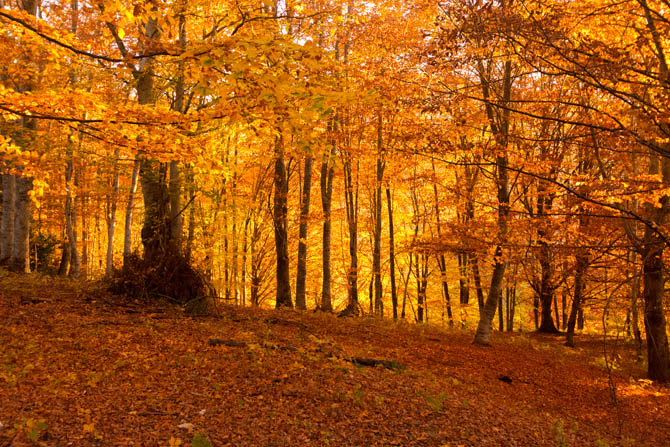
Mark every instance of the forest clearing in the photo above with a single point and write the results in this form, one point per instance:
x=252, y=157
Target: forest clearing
x=85, y=368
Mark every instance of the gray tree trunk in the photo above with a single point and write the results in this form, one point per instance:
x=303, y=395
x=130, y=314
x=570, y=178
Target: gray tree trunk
x=8, y=216
x=20, y=260
x=111, y=218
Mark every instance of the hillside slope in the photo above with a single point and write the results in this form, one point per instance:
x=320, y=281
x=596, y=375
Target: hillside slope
x=80, y=367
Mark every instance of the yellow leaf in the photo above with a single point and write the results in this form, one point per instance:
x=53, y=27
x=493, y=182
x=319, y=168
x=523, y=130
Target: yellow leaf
x=121, y=33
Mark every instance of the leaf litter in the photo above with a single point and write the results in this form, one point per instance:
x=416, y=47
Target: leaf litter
x=76, y=368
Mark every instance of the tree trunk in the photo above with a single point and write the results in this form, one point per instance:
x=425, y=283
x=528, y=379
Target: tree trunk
x=20, y=261
x=8, y=216
x=376, y=254
x=651, y=247
x=547, y=324
x=111, y=219
x=280, y=220
x=474, y=262
x=581, y=265
x=441, y=260
x=500, y=130
x=635, y=294
x=463, y=282
x=80, y=201
x=327, y=173
x=394, y=292
x=658, y=354
x=127, y=239
x=175, y=187
x=351, y=204
x=20, y=257
x=501, y=309
x=301, y=275
x=64, y=263
x=191, y=218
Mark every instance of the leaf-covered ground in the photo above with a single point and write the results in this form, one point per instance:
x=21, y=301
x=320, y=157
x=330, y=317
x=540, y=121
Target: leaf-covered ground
x=82, y=368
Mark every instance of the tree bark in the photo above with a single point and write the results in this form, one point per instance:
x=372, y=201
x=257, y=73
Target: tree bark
x=658, y=354
x=280, y=220
x=175, y=187
x=394, y=292
x=127, y=240
x=327, y=173
x=463, y=282
x=20, y=261
x=20, y=257
x=581, y=265
x=111, y=218
x=8, y=216
x=500, y=130
x=351, y=204
x=547, y=287
x=441, y=260
x=376, y=254
x=476, y=276
x=301, y=274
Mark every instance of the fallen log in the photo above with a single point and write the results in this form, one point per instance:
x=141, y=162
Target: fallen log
x=388, y=364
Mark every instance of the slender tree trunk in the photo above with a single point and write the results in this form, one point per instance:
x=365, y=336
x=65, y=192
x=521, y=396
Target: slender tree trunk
x=80, y=201
x=394, y=292
x=564, y=310
x=441, y=260
x=351, y=204
x=635, y=294
x=191, y=218
x=127, y=239
x=463, y=283
x=327, y=173
x=175, y=186
x=500, y=130
x=474, y=263
x=544, y=203
x=176, y=220
x=406, y=288
x=581, y=265
x=301, y=275
x=245, y=254
x=8, y=216
x=111, y=219
x=64, y=264
x=501, y=324
x=376, y=254
x=72, y=258
x=280, y=212
x=377, y=218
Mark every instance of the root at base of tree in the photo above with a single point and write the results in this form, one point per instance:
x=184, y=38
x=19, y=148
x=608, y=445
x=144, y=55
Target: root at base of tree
x=174, y=279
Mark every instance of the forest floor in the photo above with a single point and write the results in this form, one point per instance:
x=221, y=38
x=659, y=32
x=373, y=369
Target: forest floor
x=79, y=367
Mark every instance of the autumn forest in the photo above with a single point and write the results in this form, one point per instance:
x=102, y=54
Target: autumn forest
x=348, y=192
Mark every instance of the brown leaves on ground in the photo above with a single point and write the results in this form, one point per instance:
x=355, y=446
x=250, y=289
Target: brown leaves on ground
x=81, y=368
